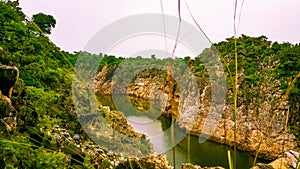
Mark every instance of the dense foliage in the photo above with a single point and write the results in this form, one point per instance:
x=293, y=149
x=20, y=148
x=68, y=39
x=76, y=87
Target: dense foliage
x=42, y=95
x=44, y=22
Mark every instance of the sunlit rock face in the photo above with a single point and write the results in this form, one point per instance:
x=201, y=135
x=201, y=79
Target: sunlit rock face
x=253, y=117
x=102, y=83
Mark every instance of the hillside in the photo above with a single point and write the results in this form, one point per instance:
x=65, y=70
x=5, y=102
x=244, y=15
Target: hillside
x=40, y=127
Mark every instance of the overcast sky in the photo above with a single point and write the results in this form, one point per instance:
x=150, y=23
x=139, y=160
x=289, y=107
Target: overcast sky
x=79, y=20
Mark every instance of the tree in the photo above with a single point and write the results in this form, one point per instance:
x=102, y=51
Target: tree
x=45, y=22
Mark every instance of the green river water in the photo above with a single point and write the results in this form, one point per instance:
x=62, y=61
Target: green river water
x=208, y=153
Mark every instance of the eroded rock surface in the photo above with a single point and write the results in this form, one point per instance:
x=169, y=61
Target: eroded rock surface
x=289, y=161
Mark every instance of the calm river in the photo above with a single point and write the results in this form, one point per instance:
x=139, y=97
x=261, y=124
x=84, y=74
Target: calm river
x=208, y=153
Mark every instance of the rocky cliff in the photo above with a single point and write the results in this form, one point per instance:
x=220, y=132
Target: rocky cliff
x=253, y=113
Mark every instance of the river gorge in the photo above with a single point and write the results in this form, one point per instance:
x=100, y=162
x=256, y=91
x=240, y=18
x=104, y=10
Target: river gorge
x=208, y=153
x=95, y=110
x=252, y=116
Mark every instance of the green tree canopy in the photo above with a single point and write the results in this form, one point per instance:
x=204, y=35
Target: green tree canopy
x=45, y=22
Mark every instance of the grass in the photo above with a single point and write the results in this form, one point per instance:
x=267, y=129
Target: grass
x=235, y=96
x=285, y=132
x=230, y=160
x=189, y=147
x=35, y=146
x=298, y=163
x=129, y=163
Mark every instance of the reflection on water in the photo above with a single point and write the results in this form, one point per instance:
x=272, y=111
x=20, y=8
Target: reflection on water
x=208, y=153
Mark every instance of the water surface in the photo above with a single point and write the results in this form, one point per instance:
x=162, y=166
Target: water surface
x=158, y=129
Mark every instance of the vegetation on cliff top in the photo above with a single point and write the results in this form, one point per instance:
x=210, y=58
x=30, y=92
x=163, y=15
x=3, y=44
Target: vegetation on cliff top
x=42, y=95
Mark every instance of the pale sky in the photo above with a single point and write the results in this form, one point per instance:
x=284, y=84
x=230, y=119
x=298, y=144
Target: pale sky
x=79, y=20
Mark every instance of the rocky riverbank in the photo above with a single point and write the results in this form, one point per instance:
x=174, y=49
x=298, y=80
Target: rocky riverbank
x=100, y=157
x=288, y=161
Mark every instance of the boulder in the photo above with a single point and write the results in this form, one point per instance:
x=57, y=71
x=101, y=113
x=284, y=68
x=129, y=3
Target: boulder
x=8, y=115
x=8, y=78
x=190, y=166
x=289, y=161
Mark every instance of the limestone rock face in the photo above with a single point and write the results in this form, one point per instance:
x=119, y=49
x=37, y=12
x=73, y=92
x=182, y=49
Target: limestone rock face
x=248, y=138
x=102, y=85
x=150, y=85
